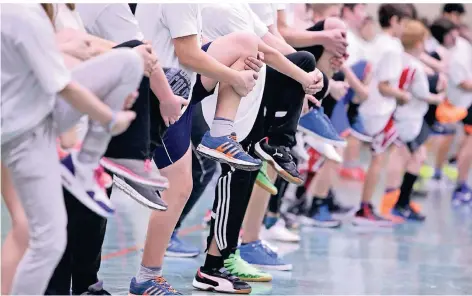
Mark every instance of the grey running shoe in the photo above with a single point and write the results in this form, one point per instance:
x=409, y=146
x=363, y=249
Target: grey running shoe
x=142, y=194
x=138, y=171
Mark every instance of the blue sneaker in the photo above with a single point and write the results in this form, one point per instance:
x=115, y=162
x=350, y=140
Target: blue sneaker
x=157, y=286
x=316, y=124
x=226, y=149
x=86, y=184
x=322, y=218
x=261, y=256
x=461, y=195
x=180, y=249
x=407, y=213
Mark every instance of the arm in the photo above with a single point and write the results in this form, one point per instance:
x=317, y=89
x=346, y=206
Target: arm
x=466, y=85
x=431, y=62
x=295, y=37
x=278, y=44
x=388, y=90
x=361, y=90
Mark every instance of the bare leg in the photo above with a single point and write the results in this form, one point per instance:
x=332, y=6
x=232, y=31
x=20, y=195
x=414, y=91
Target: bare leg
x=373, y=176
x=395, y=167
x=464, y=159
x=351, y=154
x=256, y=209
x=16, y=242
x=443, y=150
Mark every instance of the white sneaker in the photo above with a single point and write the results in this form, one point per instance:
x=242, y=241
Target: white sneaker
x=279, y=232
x=327, y=150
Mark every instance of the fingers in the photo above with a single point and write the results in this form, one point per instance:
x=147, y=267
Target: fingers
x=184, y=102
x=313, y=100
x=253, y=64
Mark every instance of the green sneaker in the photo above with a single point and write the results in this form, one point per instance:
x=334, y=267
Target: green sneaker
x=426, y=172
x=243, y=270
x=450, y=172
x=263, y=180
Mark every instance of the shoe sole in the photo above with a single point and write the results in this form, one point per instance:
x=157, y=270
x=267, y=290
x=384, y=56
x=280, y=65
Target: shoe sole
x=324, y=151
x=345, y=216
x=222, y=158
x=266, y=188
x=181, y=255
x=331, y=224
x=70, y=183
x=131, y=192
x=285, y=267
x=206, y=287
x=361, y=222
x=280, y=171
x=126, y=173
x=340, y=144
x=261, y=279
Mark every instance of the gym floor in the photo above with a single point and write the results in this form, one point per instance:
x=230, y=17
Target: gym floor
x=411, y=259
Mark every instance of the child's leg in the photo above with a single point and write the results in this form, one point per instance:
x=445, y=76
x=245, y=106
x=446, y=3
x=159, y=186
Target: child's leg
x=412, y=170
x=16, y=240
x=41, y=196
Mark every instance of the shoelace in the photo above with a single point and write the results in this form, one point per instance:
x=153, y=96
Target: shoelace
x=236, y=143
x=162, y=281
x=228, y=274
x=269, y=250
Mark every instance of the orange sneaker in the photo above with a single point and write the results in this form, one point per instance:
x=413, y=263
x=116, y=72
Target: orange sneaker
x=390, y=199
x=354, y=174
x=448, y=113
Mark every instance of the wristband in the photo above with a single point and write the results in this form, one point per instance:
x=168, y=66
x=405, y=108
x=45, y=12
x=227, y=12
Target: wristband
x=112, y=122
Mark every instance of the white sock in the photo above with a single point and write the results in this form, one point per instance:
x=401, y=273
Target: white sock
x=221, y=127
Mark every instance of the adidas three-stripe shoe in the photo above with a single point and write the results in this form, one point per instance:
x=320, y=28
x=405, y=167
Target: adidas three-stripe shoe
x=227, y=150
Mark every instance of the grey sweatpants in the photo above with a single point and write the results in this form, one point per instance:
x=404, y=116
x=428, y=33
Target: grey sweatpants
x=34, y=165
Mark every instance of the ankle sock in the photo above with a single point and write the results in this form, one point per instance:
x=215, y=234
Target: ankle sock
x=221, y=127
x=270, y=221
x=406, y=189
x=148, y=273
x=213, y=262
x=437, y=174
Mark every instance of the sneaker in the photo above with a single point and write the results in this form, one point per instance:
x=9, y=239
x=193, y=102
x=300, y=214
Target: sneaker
x=157, y=286
x=337, y=210
x=86, y=185
x=290, y=220
x=243, y=270
x=355, y=174
x=261, y=256
x=322, y=218
x=408, y=213
x=366, y=216
x=451, y=172
x=220, y=280
x=325, y=149
x=279, y=232
x=180, y=249
x=138, y=171
x=462, y=194
x=264, y=181
x=299, y=151
x=96, y=289
x=144, y=195
x=227, y=150
x=316, y=124
x=280, y=159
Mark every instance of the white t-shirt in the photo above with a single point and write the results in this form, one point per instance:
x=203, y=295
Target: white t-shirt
x=161, y=23
x=33, y=70
x=222, y=19
x=387, y=66
x=267, y=12
x=409, y=117
x=114, y=22
x=66, y=18
x=357, y=48
x=459, y=70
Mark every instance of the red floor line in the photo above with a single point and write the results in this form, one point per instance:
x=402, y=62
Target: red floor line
x=136, y=248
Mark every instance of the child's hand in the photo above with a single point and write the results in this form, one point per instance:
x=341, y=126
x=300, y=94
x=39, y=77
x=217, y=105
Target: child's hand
x=122, y=121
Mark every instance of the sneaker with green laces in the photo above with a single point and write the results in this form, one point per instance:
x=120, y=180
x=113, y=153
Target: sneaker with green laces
x=243, y=270
x=263, y=180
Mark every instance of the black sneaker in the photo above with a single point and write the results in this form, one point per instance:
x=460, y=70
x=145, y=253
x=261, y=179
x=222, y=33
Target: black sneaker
x=337, y=210
x=96, y=289
x=280, y=159
x=407, y=213
x=220, y=280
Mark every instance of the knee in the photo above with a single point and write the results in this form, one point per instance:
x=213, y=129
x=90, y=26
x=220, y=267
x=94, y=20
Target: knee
x=132, y=63
x=306, y=60
x=248, y=42
x=331, y=23
x=184, y=189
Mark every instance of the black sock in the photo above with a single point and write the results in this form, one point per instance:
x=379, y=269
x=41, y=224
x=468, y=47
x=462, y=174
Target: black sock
x=212, y=262
x=317, y=202
x=406, y=189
